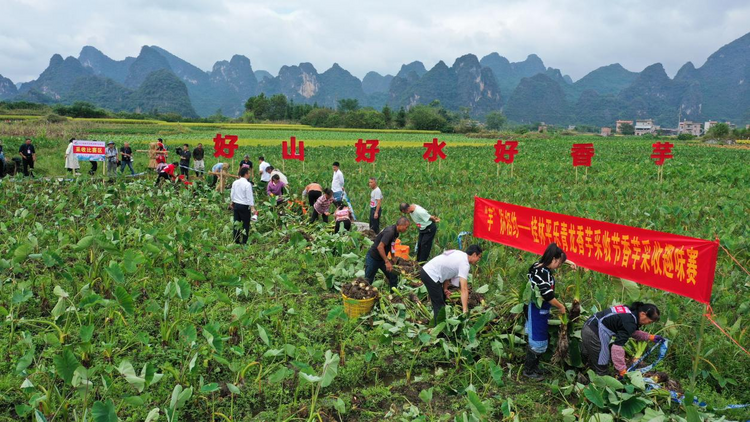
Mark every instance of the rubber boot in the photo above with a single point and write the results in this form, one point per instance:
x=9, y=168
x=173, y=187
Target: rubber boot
x=531, y=366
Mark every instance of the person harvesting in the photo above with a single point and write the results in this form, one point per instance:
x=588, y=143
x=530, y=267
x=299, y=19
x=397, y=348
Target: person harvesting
x=542, y=284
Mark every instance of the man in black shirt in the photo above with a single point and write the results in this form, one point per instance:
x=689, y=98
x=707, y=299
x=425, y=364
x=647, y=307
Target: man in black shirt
x=198, y=164
x=126, y=158
x=28, y=155
x=377, y=256
x=185, y=160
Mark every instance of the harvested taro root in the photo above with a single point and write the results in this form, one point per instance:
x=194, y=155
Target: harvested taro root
x=475, y=299
x=359, y=289
x=407, y=267
x=369, y=234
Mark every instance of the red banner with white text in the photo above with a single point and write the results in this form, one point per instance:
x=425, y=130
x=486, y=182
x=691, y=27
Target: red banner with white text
x=678, y=264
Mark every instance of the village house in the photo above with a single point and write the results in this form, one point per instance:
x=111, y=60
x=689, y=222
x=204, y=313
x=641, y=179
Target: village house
x=645, y=126
x=620, y=123
x=686, y=126
x=606, y=131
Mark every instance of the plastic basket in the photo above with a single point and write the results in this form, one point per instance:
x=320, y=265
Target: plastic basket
x=355, y=308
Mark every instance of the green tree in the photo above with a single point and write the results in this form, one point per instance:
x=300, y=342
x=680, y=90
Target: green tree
x=387, y=115
x=627, y=129
x=258, y=106
x=401, y=117
x=348, y=104
x=277, y=107
x=317, y=117
x=426, y=118
x=495, y=120
x=80, y=109
x=364, y=119
x=720, y=130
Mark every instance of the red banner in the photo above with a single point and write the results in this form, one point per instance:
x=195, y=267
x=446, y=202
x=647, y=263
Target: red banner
x=677, y=264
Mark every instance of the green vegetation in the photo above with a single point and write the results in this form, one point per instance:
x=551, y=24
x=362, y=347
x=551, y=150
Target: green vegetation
x=118, y=300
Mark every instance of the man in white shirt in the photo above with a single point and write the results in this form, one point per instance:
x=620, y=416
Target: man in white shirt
x=243, y=205
x=376, y=198
x=452, y=266
x=337, y=184
x=265, y=177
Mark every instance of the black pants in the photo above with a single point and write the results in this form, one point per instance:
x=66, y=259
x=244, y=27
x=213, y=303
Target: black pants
x=347, y=225
x=94, y=166
x=241, y=213
x=372, y=266
x=375, y=222
x=2, y=168
x=162, y=175
x=315, y=215
x=184, y=170
x=313, y=196
x=424, y=242
x=435, y=291
x=590, y=348
x=28, y=163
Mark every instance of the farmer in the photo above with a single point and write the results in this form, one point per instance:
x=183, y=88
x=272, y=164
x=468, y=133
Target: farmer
x=376, y=199
x=276, y=188
x=427, y=225
x=216, y=170
x=71, y=161
x=111, y=156
x=452, y=266
x=322, y=206
x=185, y=155
x=243, y=205
x=542, y=283
x=337, y=184
x=621, y=322
x=161, y=149
x=126, y=158
x=343, y=216
x=264, y=176
x=377, y=256
x=198, y=164
x=166, y=173
x=28, y=157
x=246, y=163
x=313, y=192
x=272, y=171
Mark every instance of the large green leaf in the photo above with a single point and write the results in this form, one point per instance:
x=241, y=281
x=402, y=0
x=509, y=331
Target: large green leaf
x=104, y=412
x=125, y=300
x=115, y=272
x=84, y=243
x=475, y=403
x=126, y=369
x=594, y=395
x=632, y=289
x=66, y=364
x=194, y=275
x=330, y=369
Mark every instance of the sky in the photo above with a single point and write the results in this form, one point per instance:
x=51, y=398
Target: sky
x=576, y=36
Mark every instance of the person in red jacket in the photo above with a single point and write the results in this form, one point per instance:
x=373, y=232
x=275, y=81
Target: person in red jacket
x=167, y=173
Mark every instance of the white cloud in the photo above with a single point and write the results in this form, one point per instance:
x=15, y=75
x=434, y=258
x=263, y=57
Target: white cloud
x=576, y=36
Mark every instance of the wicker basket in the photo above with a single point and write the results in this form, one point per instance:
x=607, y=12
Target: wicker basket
x=355, y=308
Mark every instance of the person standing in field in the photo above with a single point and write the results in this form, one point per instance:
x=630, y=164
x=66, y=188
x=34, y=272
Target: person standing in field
x=377, y=256
x=452, y=267
x=313, y=191
x=126, y=158
x=376, y=199
x=2, y=160
x=343, y=216
x=185, y=155
x=542, y=284
x=622, y=323
x=198, y=164
x=243, y=205
x=427, y=225
x=246, y=163
x=111, y=156
x=265, y=177
x=322, y=206
x=71, y=161
x=337, y=184
x=28, y=157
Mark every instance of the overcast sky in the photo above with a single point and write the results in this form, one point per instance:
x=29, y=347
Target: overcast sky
x=576, y=36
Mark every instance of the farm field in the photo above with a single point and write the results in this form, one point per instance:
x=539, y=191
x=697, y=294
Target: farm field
x=124, y=301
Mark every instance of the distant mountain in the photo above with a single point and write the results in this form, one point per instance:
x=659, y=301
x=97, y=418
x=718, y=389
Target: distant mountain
x=102, y=65
x=465, y=84
x=374, y=82
x=260, y=75
x=509, y=74
x=7, y=88
x=526, y=91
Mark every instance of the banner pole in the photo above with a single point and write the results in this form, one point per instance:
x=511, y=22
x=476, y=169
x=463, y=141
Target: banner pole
x=497, y=174
x=698, y=351
x=511, y=170
x=576, y=174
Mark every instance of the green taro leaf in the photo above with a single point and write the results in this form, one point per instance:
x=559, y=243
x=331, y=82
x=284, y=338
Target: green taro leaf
x=263, y=335
x=475, y=403
x=115, y=272
x=84, y=243
x=104, y=412
x=194, y=275
x=66, y=364
x=210, y=388
x=125, y=300
x=594, y=395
